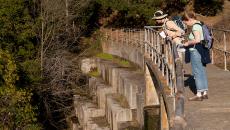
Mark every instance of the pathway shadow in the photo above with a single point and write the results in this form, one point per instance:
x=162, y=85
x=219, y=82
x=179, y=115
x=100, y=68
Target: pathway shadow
x=190, y=82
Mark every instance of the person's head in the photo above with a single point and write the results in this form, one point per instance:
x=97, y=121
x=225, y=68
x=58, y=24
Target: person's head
x=159, y=16
x=188, y=18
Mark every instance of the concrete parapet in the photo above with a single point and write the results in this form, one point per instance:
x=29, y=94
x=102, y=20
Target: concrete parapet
x=119, y=94
x=116, y=111
x=129, y=88
x=115, y=78
x=87, y=64
x=94, y=82
x=102, y=91
x=130, y=53
x=130, y=84
x=129, y=125
x=97, y=123
x=87, y=110
x=76, y=127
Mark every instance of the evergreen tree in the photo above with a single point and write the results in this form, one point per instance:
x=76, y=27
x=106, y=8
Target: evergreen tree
x=17, y=35
x=16, y=112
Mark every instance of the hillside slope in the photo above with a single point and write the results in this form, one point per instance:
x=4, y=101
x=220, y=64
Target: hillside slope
x=221, y=20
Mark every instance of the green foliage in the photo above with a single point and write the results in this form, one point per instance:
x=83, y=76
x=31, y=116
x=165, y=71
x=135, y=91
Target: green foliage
x=16, y=112
x=94, y=73
x=137, y=13
x=92, y=44
x=121, y=62
x=18, y=37
x=124, y=63
x=105, y=56
x=208, y=7
x=16, y=28
x=32, y=69
x=130, y=13
x=8, y=73
x=87, y=16
x=173, y=7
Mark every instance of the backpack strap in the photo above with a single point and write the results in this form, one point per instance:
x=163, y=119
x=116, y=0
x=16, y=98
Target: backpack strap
x=201, y=24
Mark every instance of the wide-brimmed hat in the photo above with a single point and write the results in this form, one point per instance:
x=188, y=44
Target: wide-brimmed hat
x=159, y=15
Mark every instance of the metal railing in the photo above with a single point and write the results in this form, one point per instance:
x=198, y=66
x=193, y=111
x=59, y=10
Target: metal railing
x=160, y=52
x=151, y=45
x=220, y=53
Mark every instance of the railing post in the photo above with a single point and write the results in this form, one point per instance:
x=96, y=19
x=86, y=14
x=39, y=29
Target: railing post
x=145, y=42
x=139, y=42
x=152, y=40
x=155, y=48
x=158, y=51
x=111, y=34
x=116, y=36
x=225, y=56
x=148, y=41
x=212, y=49
x=127, y=37
x=163, y=52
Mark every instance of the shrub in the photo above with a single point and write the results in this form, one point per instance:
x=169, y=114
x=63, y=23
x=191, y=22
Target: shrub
x=208, y=7
x=16, y=112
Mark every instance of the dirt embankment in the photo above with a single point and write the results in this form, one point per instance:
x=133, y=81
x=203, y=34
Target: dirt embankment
x=221, y=20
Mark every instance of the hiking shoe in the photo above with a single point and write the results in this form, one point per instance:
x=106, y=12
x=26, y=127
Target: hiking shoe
x=205, y=96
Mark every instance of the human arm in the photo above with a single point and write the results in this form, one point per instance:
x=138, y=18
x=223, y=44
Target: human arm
x=173, y=30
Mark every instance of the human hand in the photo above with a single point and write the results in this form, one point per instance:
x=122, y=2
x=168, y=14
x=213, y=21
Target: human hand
x=168, y=38
x=186, y=44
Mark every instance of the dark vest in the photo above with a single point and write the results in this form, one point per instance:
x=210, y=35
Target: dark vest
x=204, y=52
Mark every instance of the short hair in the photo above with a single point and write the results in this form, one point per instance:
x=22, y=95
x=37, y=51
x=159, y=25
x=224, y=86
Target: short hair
x=187, y=15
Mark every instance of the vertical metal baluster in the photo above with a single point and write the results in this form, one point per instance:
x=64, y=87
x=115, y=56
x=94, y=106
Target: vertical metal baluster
x=163, y=54
x=212, y=49
x=156, y=49
x=152, y=34
x=145, y=42
x=225, y=56
x=148, y=40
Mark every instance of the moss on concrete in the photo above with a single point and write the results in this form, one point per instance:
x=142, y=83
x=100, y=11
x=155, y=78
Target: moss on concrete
x=125, y=63
x=105, y=56
x=94, y=73
x=115, y=59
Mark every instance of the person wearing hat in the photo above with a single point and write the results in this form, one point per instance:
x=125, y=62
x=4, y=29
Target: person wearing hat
x=171, y=30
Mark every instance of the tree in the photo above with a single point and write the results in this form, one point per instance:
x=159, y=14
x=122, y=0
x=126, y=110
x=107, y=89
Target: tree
x=16, y=112
x=17, y=35
x=62, y=24
x=208, y=7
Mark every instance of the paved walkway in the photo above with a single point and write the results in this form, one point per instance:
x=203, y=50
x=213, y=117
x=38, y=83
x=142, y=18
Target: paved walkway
x=212, y=113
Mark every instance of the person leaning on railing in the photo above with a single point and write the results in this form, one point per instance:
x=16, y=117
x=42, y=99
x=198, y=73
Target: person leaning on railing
x=170, y=30
x=199, y=56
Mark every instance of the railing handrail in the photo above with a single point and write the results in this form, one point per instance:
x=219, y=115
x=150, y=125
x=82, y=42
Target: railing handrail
x=219, y=29
x=225, y=49
x=160, y=52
